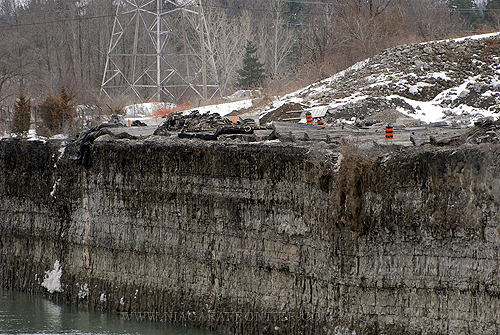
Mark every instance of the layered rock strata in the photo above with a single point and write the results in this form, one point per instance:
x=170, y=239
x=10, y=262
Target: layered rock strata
x=258, y=238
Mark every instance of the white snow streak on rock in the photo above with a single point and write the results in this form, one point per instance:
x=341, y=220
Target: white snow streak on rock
x=52, y=281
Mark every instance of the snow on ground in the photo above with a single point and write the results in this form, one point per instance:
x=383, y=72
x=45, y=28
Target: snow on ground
x=472, y=37
x=456, y=80
x=225, y=108
x=426, y=111
x=146, y=110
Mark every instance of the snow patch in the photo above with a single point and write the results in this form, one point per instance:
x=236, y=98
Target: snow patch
x=52, y=281
x=224, y=109
x=84, y=291
x=461, y=39
x=59, y=137
x=414, y=89
x=146, y=109
x=355, y=67
x=54, y=187
x=339, y=330
x=61, y=150
x=321, y=86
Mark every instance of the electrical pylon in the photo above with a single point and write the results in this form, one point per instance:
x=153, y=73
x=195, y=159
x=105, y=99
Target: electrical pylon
x=160, y=49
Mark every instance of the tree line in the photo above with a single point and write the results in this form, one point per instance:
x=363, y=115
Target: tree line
x=48, y=44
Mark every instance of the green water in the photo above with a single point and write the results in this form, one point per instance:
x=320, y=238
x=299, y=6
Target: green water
x=27, y=314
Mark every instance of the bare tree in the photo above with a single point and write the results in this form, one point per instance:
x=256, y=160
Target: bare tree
x=430, y=19
x=16, y=60
x=50, y=43
x=228, y=36
x=280, y=38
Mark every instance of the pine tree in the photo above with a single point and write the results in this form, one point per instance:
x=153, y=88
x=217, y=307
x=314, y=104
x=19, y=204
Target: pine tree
x=22, y=115
x=252, y=73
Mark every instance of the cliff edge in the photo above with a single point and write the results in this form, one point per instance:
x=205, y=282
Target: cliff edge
x=258, y=238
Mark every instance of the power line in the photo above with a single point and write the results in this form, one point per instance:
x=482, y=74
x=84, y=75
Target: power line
x=82, y=18
x=93, y=17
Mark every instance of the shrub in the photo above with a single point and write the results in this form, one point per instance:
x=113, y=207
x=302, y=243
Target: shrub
x=116, y=110
x=58, y=113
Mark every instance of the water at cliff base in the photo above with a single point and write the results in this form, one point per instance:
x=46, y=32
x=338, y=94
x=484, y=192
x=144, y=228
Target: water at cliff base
x=27, y=314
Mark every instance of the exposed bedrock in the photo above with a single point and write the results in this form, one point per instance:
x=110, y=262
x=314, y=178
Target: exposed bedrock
x=258, y=238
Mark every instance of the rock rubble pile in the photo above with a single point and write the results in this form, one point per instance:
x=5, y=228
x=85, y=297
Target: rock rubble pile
x=459, y=80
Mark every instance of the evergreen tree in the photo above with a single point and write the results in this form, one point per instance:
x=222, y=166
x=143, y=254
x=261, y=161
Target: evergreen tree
x=48, y=114
x=57, y=113
x=252, y=73
x=22, y=115
x=66, y=109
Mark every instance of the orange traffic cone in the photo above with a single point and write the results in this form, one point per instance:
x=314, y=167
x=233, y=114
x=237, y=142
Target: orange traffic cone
x=309, y=118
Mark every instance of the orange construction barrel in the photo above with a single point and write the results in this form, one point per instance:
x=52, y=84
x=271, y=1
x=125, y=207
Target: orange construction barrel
x=309, y=118
x=389, y=132
x=321, y=123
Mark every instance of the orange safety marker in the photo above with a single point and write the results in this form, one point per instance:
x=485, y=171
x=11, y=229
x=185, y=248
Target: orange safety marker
x=389, y=132
x=235, y=120
x=320, y=123
x=309, y=118
x=129, y=123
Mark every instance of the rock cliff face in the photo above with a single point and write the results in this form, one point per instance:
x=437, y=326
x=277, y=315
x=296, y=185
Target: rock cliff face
x=258, y=238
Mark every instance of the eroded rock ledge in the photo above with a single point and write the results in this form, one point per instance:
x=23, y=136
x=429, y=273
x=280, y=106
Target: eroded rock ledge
x=263, y=238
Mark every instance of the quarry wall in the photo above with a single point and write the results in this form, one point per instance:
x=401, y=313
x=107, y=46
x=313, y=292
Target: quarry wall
x=258, y=238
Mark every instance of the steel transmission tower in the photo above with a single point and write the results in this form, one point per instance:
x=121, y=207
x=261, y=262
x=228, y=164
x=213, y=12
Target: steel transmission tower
x=159, y=49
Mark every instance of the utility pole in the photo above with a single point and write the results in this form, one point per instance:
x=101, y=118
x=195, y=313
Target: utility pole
x=160, y=50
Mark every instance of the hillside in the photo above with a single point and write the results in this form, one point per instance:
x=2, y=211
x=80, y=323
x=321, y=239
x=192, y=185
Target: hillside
x=456, y=81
